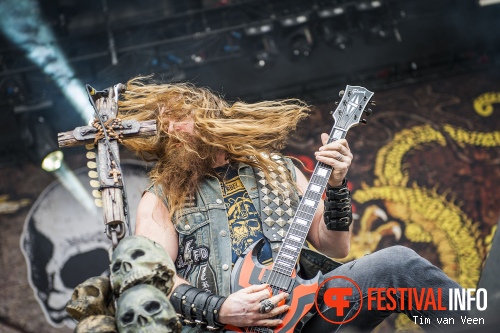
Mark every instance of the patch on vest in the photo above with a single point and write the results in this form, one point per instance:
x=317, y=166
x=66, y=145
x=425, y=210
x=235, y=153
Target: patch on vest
x=190, y=255
x=206, y=278
x=190, y=201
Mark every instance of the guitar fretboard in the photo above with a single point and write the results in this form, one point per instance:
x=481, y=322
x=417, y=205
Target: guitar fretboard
x=295, y=238
x=346, y=115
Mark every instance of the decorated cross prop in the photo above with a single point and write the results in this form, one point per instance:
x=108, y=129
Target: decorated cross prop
x=105, y=132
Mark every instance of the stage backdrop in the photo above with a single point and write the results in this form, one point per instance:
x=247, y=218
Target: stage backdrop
x=425, y=175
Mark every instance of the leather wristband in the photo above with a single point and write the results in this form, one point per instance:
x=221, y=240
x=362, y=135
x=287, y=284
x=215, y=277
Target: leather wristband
x=337, y=193
x=188, y=305
x=215, y=303
x=337, y=204
x=177, y=297
x=338, y=212
x=200, y=306
x=197, y=306
x=334, y=214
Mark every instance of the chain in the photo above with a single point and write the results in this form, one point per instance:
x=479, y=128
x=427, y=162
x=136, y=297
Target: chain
x=115, y=232
x=112, y=126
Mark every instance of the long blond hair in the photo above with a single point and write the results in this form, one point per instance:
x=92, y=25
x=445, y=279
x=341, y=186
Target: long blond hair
x=247, y=132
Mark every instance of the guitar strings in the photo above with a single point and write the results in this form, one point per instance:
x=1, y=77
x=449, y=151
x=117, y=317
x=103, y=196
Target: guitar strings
x=301, y=228
x=275, y=279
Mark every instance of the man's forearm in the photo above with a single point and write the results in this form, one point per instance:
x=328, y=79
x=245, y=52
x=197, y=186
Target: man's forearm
x=335, y=244
x=177, y=282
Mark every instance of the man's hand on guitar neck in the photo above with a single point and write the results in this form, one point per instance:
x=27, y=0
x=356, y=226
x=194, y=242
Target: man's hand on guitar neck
x=338, y=155
x=241, y=309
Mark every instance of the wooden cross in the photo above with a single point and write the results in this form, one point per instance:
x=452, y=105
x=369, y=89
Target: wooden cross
x=110, y=180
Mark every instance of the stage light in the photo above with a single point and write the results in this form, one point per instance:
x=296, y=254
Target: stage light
x=22, y=23
x=40, y=143
x=483, y=3
x=340, y=41
x=368, y=5
x=53, y=161
x=196, y=58
x=264, y=51
x=291, y=21
x=335, y=34
x=301, y=43
x=330, y=12
x=379, y=33
x=259, y=29
x=41, y=147
x=262, y=59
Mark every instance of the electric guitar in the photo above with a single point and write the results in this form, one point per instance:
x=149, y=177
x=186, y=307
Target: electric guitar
x=282, y=276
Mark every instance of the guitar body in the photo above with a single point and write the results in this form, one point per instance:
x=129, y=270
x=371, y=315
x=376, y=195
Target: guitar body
x=248, y=271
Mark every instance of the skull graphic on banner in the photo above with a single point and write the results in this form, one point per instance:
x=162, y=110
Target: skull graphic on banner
x=64, y=244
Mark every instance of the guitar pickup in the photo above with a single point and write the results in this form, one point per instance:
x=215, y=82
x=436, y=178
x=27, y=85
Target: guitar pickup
x=278, y=280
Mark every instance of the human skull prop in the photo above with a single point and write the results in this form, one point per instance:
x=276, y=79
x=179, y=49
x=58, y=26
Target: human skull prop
x=137, y=260
x=64, y=243
x=144, y=309
x=91, y=298
x=97, y=324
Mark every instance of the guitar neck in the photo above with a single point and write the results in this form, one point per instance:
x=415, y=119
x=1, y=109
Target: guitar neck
x=295, y=238
x=346, y=115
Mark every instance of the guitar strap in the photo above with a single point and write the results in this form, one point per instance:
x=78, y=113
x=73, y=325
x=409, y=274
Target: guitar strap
x=277, y=210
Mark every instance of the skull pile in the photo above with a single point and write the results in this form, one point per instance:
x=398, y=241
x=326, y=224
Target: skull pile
x=141, y=278
x=139, y=260
x=97, y=324
x=90, y=298
x=144, y=308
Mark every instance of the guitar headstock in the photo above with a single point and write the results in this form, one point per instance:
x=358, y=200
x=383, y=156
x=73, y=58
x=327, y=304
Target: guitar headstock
x=350, y=109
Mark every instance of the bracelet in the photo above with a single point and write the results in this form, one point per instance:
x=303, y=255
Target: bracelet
x=197, y=306
x=338, y=212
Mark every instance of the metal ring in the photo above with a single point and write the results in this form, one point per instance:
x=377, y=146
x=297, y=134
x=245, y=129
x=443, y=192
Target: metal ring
x=266, y=306
x=340, y=157
x=118, y=227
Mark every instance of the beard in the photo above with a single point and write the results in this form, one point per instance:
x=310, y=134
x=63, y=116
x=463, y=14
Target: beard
x=187, y=161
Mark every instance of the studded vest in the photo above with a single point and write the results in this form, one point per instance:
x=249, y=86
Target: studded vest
x=204, y=256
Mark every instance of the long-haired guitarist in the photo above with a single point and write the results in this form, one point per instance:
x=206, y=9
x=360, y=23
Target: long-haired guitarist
x=220, y=185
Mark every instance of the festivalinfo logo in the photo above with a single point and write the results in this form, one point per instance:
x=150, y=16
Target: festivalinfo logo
x=347, y=301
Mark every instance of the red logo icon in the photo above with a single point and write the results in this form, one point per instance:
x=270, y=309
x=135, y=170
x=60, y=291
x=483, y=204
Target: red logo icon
x=335, y=298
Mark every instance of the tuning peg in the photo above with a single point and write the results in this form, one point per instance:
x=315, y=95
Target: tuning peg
x=90, y=155
x=363, y=121
x=97, y=194
x=373, y=103
x=336, y=102
x=98, y=202
x=95, y=183
x=92, y=165
x=331, y=112
x=368, y=112
x=89, y=146
x=341, y=93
